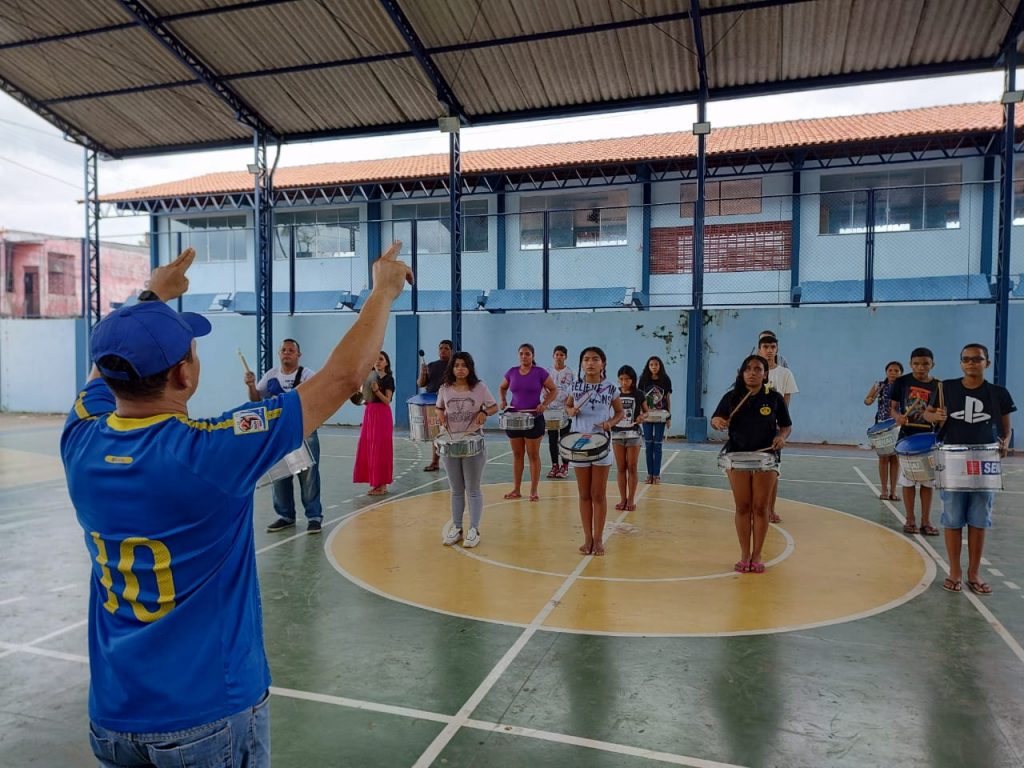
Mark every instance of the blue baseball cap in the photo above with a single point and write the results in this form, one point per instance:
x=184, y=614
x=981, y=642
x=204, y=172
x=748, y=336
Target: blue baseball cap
x=150, y=336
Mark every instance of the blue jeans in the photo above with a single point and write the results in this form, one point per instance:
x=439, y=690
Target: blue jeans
x=309, y=487
x=236, y=741
x=654, y=435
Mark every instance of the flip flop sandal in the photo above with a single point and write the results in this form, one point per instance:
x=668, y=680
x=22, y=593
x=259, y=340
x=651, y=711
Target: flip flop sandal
x=773, y=518
x=631, y=507
x=952, y=585
x=979, y=587
x=620, y=506
x=929, y=530
x=431, y=468
x=534, y=497
x=756, y=567
x=911, y=529
x=742, y=566
x=513, y=495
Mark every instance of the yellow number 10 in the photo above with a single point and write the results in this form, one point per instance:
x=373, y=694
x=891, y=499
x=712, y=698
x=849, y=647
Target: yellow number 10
x=161, y=570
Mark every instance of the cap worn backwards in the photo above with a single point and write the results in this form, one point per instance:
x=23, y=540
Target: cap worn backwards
x=150, y=336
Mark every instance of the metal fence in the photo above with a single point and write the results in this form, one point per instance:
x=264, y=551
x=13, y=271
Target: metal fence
x=924, y=242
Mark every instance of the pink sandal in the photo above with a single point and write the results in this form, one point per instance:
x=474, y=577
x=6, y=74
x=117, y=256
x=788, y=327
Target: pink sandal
x=743, y=566
x=756, y=567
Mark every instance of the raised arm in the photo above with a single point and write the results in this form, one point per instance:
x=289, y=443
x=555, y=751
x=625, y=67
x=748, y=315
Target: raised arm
x=355, y=354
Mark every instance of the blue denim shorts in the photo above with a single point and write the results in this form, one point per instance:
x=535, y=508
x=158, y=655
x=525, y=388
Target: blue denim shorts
x=241, y=739
x=960, y=508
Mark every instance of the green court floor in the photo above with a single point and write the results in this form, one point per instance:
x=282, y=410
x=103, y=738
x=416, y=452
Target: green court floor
x=365, y=675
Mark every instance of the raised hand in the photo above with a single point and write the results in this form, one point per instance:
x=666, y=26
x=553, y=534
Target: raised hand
x=389, y=274
x=169, y=281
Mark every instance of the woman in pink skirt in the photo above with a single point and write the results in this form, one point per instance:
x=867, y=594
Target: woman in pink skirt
x=374, y=456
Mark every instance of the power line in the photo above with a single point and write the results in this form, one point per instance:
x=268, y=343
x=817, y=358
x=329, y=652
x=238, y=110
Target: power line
x=41, y=173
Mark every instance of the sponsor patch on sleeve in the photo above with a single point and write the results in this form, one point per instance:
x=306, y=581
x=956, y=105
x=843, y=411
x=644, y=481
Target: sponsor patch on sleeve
x=250, y=420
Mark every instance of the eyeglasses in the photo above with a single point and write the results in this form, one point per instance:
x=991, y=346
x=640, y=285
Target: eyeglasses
x=972, y=359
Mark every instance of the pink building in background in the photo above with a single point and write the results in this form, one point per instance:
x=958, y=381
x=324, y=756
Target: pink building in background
x=41, y=275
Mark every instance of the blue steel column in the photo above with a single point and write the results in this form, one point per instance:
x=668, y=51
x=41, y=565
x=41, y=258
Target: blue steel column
x=154, y=242
x=91, y=304
x=696, y=424
x=796, y=208
x=988, y=217
x=455, y=222
x=500, y=250
x=374, y=236
x=1005, y=223
x=869, y=249
x=643, y=174
x=263, y=256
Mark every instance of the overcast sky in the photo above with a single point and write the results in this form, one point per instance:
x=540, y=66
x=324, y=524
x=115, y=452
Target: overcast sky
x=41, y=175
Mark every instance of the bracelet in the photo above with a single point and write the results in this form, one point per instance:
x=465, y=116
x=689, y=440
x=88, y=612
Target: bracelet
x=148, y=295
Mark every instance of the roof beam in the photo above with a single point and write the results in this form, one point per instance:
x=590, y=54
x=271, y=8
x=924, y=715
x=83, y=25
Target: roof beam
x=445, y=95
x=156, y=27
x=1012, y=33
x=70, y=129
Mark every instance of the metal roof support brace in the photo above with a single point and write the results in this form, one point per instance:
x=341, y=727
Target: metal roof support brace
x=445, y=95
x=1005, y=219
x=244, y=113
x=91, y=307
x=72, y=132
x=696, y=424
x=455, y=214
x=263, y=228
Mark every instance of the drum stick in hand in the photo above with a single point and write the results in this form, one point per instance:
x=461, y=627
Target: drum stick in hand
x=242, y=358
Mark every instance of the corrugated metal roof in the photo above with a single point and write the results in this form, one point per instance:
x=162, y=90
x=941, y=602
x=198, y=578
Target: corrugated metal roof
x=932, y=121
x=321, y=68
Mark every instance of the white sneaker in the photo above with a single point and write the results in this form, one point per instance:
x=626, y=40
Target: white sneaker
x=472, y=538
x=450, y=534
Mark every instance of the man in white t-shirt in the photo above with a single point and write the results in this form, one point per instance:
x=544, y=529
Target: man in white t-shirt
x=563, y=376
x=278, y=380
x=783, y=381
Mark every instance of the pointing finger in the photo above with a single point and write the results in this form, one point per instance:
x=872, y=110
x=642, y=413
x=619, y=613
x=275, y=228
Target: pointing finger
x=392, y=252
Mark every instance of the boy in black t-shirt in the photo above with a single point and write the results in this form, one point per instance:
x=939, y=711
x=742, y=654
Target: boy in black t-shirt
x=975, y=412
x=910, y=395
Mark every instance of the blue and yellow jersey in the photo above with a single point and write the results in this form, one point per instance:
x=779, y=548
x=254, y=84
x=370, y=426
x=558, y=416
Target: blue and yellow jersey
x=166, y=504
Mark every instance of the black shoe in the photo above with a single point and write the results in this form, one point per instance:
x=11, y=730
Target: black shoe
x=314, y=526
x=279, y=525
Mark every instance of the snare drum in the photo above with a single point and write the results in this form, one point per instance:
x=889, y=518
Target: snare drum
x=293, y=463
x=555, y=418
x=625, y=435
x=585, y=448
x=916, y=458
x=517, y=421
x=657, y=416
x=459, y=447
x=968, y=467
x=883, y=437
x=749, y=461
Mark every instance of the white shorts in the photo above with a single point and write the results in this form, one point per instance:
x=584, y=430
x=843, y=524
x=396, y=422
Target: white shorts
x=605, y=462
x=907, y=483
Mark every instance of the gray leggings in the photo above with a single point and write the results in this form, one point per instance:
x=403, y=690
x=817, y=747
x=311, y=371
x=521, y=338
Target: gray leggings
x=465, y=476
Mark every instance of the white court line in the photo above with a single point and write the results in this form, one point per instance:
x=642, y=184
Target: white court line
x=993, y=622
x=462, y=716
x=502, y=728
x=15, y=647
x=996, y=572
x=1010, y=585
x=12, y=600
x=62, y=589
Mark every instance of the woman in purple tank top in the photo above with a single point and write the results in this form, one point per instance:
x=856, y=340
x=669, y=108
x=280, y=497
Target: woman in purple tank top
x=532, y=390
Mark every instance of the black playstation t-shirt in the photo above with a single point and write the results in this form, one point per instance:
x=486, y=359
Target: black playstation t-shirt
x=755, y=424
x=974, y=416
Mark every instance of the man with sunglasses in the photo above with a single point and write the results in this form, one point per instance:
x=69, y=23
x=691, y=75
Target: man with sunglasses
x=973, y=412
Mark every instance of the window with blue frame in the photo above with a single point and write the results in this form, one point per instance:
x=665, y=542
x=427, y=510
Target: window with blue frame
x=328, y=233
x=576, y=219
x=905, y=200
x=433, y=234
x=214, y=238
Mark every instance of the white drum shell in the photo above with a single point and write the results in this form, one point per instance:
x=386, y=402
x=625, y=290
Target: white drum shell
x=555, y=418
x=459, y=447
x=884, y=442
x=656, y=416
x=595, y=449
x=748, y=461
x=918, y=467
x=293, y=463
x=517, y=421
x=625, y=435
x=968, y=467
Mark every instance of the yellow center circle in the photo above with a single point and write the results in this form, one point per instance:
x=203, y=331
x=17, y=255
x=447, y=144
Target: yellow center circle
x=667, y=571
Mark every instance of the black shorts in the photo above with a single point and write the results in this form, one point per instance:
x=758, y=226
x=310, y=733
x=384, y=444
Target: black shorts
x=538, y=429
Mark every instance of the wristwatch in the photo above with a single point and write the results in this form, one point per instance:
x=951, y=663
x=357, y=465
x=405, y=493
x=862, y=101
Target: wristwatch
x=148, y=295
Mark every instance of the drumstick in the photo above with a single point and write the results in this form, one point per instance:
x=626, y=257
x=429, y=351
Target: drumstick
x=739, y=406
x=242, y=358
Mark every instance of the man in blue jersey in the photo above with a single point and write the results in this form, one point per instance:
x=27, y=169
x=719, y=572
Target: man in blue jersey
x=179, y=672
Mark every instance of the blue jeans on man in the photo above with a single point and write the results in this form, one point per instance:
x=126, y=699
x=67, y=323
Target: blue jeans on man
x=654, y=436
x=241, y=739
x=309, y=488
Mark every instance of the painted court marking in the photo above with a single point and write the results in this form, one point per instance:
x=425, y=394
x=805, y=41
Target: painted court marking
x=989, y=617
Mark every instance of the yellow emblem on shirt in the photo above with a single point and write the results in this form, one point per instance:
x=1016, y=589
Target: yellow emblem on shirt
x=765, y=410
x=118, y=459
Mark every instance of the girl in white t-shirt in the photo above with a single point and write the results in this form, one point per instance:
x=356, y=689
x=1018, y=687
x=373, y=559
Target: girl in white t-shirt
x=593, y=403
x=463, y=404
